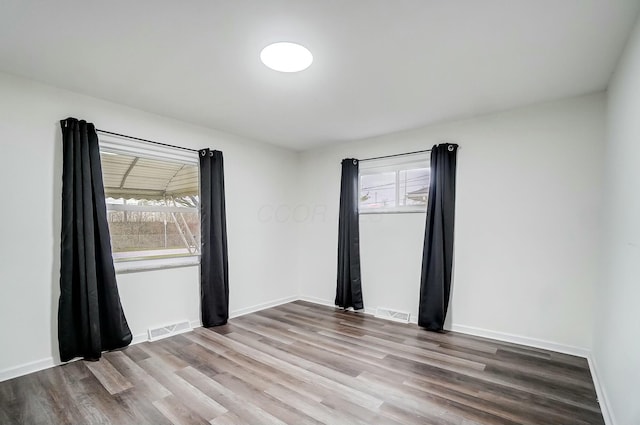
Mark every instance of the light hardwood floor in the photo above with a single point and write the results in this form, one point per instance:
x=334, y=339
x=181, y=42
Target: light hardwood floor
x=301, y=363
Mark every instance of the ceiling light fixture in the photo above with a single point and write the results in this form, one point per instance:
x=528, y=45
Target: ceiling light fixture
x=286, y=57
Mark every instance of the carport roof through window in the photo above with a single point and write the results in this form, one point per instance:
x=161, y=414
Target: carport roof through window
x=152, y=203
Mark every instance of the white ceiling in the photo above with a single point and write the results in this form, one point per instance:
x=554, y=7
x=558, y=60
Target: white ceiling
x=380, y=66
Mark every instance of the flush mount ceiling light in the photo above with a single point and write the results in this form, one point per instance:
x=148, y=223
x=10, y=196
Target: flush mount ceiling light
x=286, y=57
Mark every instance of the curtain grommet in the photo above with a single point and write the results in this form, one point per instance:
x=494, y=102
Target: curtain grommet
x=450, y=148
x=355, y=162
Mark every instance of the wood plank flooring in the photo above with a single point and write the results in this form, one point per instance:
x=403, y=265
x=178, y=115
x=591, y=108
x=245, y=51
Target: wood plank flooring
x=301, y=364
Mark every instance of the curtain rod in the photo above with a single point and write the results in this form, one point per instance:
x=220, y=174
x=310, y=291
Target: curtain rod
x=145, y=140
x=394, y=155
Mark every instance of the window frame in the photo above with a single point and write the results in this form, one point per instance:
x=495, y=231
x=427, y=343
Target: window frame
x=124, y=146
x=394, y=164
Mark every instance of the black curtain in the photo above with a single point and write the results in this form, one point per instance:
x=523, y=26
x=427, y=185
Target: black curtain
x=214, y=269
x=90, y=316
x=437, y=255
x=349, y=288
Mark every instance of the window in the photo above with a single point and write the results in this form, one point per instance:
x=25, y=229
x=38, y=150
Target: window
x=394, y=185
x=152, y=196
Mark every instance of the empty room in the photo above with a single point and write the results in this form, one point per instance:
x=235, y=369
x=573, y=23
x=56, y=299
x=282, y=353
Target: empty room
x=311, y=212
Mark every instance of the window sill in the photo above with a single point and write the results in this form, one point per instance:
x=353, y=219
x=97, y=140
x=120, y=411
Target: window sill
x=155, y=264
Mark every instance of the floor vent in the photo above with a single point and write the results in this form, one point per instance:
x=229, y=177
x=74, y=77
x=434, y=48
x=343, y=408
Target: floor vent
x=169, y=330
x=396, y=316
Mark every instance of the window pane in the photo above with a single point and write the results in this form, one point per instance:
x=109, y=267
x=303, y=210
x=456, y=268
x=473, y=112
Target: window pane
x=413, y=186
x=395, y=184
x=378, y=190
x=145, y=234
x=152, y=207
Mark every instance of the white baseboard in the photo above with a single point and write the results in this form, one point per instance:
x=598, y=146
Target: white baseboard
x=485, y=333
x=26, y=368
x=369, y=311
x=138, y=338
x=314, y=300
x=522, y=340
x=603, y=400
x=38, y=365
x=262, y=306
x=328, y=303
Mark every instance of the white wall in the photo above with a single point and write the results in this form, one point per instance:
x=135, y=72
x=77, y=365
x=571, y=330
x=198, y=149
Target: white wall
x=617, y=313
x=260, y=248
x=526, y=237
